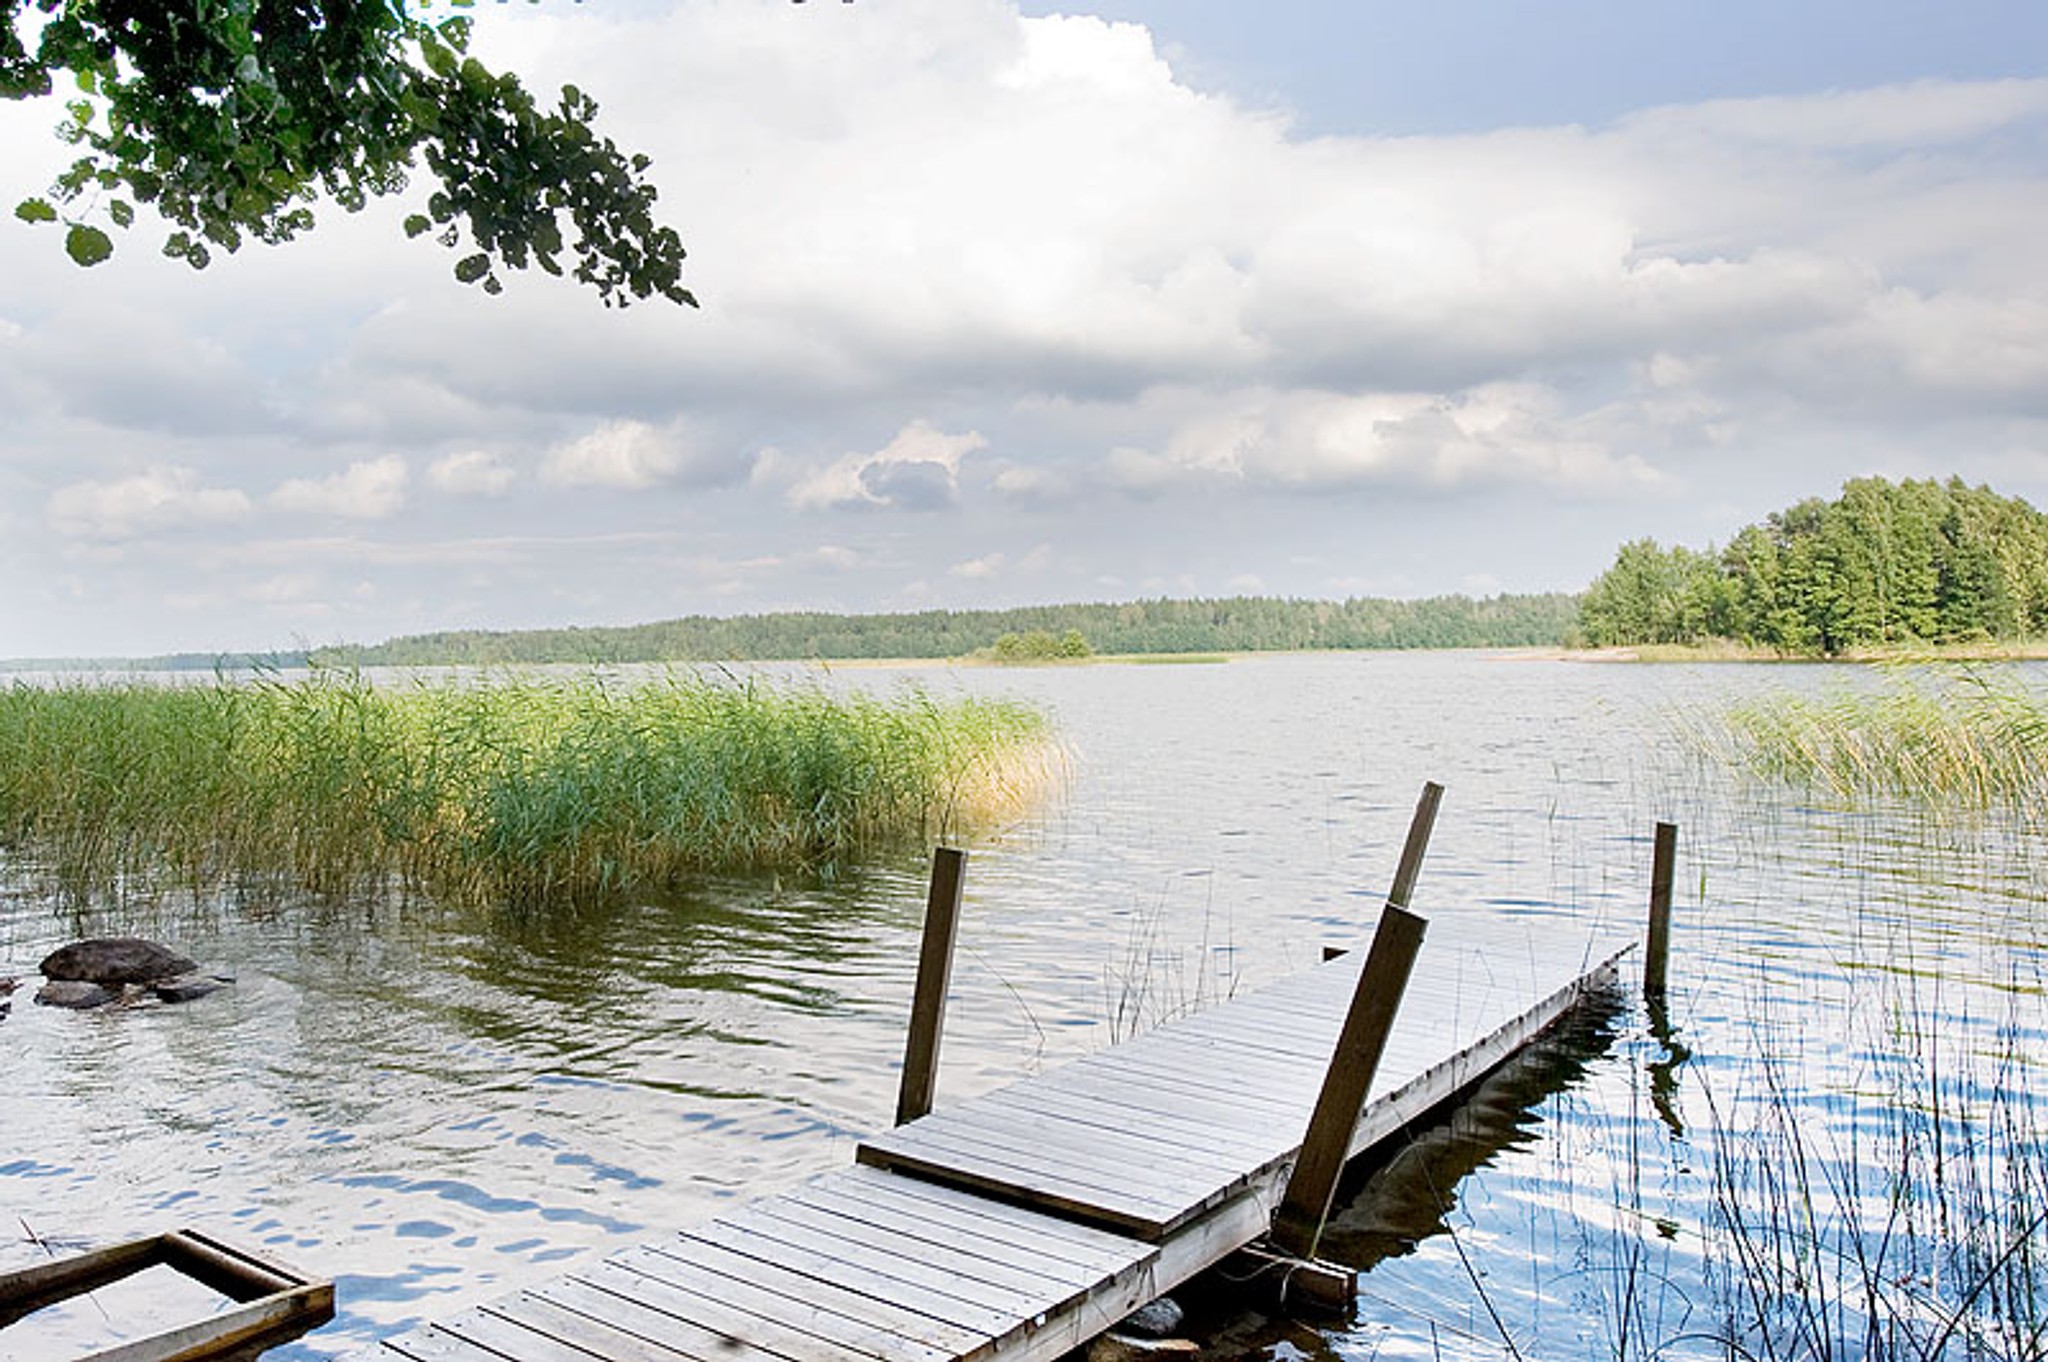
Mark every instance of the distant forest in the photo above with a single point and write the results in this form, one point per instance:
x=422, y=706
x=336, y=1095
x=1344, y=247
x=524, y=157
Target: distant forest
x=1883, y=565
x=1237, y=624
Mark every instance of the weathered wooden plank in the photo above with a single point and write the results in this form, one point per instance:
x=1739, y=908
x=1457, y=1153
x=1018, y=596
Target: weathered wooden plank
x=935, y=1236
x=965, y=1165
x=644, y=1320
x=1131, y=1157
x=511, y=1338
x=1252, y=1113
x=434, y=1344
x=1199, y=1074
x=798, y=1287
x=603, y=1338
x=1177, y=1109
x=997, y=1221
x=890, y=1249
x=746, y=1312
x=1172, y=1136
x=902, y=1287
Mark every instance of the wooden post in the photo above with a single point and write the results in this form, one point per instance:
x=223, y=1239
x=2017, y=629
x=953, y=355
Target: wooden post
x=1298, y=1224
x=1657, y=951
x=1419, y=828
x=934, y=976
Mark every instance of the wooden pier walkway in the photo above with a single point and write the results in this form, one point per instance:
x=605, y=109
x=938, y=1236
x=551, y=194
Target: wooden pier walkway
x=1023, y=1223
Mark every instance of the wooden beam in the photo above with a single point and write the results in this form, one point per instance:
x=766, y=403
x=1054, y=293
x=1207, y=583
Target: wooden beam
x=1419, y=828
x=1657, y=950
x=1298, y=1224
x=934, y=977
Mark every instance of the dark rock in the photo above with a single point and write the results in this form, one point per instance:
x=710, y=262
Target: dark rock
x=1160, y=1319
x=77, y=993
x=115, y=960
x=185, y=988
x=8, y=983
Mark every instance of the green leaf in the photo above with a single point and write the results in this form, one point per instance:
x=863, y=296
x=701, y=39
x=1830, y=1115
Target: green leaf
x=35, y=210
x=417, y=223
x=471, y=268
x=121, y=211
x=87, y=245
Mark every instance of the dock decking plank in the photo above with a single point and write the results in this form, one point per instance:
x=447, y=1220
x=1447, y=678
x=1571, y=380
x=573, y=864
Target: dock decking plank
x=644, y=1320
x=742, y=1310
x=899, y=1287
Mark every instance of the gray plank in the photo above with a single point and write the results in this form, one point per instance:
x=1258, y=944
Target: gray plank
x=940, y=1235
x=1066, y=1154
x=996, y=1220
x=799, y=1284
x=745, y=1312
x=645, y=1320
x=828, y=1255
x=611, y=1341
x=1156, y=1126
x=974, y=1168
x=1130, y=1155
x=514, y=1340
x=1031, y=1284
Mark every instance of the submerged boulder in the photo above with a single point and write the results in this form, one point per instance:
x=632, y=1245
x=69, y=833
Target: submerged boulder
x=187, y=987
x=114, y=960
x=76, y=993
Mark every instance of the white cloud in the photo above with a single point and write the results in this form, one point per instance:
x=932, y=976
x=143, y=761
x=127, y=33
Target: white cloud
x=371, y=489
x=472, y=473
x=980, y=569
x=627, y=455
x=151, y=502
x=918, y=470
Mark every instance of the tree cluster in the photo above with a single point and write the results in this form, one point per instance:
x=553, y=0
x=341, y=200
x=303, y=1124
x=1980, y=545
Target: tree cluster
x=1237, y=624
x=1041, y=645
x=230, y=118
x=1883, y=564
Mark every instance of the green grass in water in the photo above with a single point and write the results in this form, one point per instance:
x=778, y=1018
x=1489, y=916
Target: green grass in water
x=511, y=790
x=1941, y=736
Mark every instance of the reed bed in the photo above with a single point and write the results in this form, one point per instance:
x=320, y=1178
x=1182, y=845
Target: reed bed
x=1955, y=737
x=506, y=790
x=1899, y=1216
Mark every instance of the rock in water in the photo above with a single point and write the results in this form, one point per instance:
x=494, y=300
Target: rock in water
x=115, y=960
x=75, y=993
x=184, y=990
x=1158, y=1320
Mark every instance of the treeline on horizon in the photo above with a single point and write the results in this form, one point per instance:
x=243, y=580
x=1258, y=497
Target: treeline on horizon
x=1235, y=624
x=1882, y=565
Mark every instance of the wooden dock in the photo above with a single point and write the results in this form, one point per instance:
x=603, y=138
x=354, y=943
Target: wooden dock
x=1023, y=1223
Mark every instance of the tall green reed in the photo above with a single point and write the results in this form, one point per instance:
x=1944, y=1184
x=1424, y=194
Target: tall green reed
x=1961, y=736
x=515, y=788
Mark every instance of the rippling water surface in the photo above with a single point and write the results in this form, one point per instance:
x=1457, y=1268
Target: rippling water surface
x=434, y=1110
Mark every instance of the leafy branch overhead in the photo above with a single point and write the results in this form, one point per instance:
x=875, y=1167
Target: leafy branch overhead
x=230, y=118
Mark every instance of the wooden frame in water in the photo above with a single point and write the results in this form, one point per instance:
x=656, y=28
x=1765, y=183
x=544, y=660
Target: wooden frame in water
x=271, y=1298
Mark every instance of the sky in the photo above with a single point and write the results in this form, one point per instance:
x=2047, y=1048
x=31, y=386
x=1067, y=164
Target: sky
x=1009, y=302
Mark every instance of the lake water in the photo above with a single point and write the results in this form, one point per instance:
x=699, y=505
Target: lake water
x=434, y=1111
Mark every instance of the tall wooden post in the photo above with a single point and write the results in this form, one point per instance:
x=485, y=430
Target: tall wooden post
x=1419, y=828
x=1298, y=1224
x=934, y=977
x=1657, y=950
